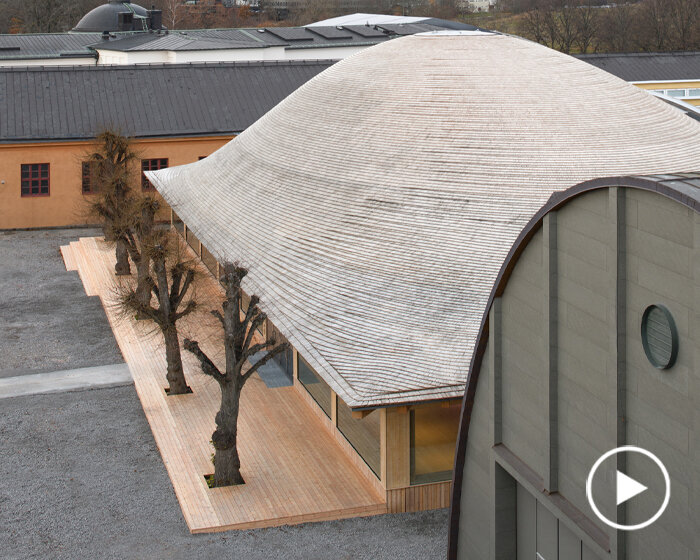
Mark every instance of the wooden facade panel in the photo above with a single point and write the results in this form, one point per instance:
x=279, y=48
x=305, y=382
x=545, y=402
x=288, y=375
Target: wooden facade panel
x=419, y=498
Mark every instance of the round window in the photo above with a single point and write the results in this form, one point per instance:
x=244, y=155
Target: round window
x=659, y=336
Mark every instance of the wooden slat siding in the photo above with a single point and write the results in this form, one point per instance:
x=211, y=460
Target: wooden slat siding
x=347, y=448
x=291, y=465
x=419, y=498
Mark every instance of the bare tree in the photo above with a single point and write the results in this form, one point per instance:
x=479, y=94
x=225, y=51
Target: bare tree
x=587, y=26
x=654, y=25
x=172, y=280
x=540, y=24
x=138, y=236
x=683, y=16
x=112, y=181
x=618, y=27
x=566, y=30
x=239, y=346
x=172, y=12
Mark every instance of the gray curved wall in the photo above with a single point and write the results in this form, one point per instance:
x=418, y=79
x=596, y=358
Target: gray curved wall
x=564, y=378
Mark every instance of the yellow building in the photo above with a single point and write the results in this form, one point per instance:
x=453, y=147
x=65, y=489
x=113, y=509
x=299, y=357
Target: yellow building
x=176, y=114
x=674, y=74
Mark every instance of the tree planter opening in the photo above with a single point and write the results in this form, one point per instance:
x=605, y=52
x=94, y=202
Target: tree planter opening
x=209, y=478
x=187, y=392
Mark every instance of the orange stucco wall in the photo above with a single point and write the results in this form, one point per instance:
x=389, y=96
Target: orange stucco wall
x=66, y=204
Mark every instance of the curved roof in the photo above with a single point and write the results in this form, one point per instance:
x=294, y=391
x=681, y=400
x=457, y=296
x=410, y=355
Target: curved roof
x=105, y=18
x=375, y=205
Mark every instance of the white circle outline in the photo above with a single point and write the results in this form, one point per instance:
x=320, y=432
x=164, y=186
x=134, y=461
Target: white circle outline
x=635, y=449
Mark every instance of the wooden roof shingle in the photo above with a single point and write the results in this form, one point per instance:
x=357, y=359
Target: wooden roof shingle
x=375, y=205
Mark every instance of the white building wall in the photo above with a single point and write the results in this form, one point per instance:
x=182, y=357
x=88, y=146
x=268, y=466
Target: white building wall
x=49, y=62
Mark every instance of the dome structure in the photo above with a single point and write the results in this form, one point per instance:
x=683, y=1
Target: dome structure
x=106, y=18
x=375, y=205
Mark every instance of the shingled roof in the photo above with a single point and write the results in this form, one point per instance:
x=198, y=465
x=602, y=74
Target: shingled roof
x=648, y=67
x=375, y=205
x=74, y=103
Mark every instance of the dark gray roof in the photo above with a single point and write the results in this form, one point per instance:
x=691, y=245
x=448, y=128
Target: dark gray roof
x=76, y=102
x=66, y=45
x=648, y=67
x=170, y=42
x=47, y=45
x=105, y=17
x=290, y=37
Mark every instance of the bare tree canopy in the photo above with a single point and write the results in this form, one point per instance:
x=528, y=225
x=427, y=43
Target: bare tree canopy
x=172, y=278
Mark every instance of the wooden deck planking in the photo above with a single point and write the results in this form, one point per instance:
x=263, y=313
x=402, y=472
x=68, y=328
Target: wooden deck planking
x=295, y=471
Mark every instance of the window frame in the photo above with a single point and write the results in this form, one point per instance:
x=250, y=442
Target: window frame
x=87, y=178
x=147, y=165
x=31, y=193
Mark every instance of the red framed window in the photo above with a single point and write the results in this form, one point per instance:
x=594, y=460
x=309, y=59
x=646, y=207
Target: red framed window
x=35, y=179
x=87, y=178
x=151, y=165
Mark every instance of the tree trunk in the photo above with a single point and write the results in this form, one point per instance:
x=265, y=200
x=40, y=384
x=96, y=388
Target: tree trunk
x=122, y=267
x=176, y=375
x=143, y=279
x=227, y=464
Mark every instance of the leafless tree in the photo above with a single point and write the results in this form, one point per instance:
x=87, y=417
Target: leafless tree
x=566, y=30
x=654, y=25
x=587, y=26
x=540, y=24
x=172, y=12
x=618, y=27
x=239, y=346
x=683, y=16
x=172, y=282
x=112, y=180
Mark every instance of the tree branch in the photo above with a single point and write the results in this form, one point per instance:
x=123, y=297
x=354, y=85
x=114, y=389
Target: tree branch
x=216, y=313
x=189, y=308
x=206, y=364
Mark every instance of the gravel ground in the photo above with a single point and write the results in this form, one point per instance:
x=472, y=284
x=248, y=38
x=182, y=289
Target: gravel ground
x=81, y=477
x=46, y=320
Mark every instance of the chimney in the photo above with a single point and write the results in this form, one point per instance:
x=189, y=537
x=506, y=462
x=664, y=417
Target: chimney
x=155, y=19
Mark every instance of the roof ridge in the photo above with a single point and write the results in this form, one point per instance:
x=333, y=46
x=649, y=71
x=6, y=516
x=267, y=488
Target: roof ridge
x=638, y=54
x=156, y=65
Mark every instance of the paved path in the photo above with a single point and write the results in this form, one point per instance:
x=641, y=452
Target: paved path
x=67, y=380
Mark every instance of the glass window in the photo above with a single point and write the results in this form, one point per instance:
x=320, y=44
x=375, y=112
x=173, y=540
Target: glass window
x=433, y=438
x=695, y=92
x=316, y=387
x=675, y=92
x=34, y=179
x=209, y=260
x=362, y=433
x=88, y=174
x=178, y=223
x=192, y=240
x=151, y=165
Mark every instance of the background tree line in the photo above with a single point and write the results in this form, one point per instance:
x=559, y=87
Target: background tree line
x=571, y=26
x=582, y=26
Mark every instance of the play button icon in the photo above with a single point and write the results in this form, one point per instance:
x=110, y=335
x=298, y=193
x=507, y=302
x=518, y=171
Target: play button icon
x=628, y=488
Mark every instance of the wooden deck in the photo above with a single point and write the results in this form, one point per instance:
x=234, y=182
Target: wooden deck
x=295, y=471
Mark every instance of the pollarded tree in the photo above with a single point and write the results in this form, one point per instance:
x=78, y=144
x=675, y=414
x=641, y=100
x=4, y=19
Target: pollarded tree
x=239, y=346
x=138, y=234
x=172, y=282
x=127, y=218
x=112, y=180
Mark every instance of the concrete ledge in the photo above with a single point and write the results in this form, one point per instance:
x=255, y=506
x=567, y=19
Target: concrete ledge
x=67, y=380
